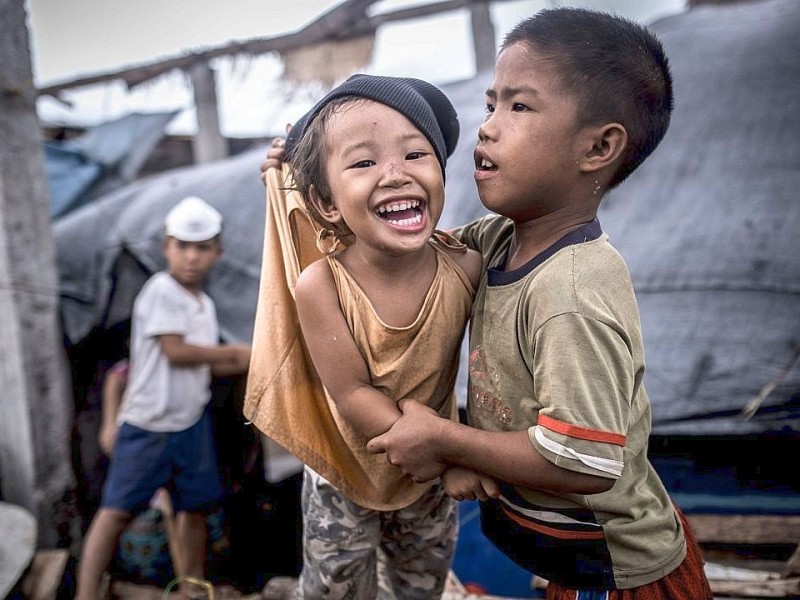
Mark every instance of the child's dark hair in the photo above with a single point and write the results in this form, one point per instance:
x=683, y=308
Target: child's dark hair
x=309, y=157
x=617, y=70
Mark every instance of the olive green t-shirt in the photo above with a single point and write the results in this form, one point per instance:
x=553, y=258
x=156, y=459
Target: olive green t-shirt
x=556, y=348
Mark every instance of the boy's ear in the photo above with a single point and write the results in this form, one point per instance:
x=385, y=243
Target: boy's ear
x=325, y=207
x=604, y=145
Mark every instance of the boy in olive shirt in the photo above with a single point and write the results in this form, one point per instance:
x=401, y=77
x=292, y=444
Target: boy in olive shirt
x=556, y=403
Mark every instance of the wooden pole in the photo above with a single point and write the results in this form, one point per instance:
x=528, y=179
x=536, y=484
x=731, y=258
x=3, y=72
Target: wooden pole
x=35, y=395
x=208, y=144
x=483, y=38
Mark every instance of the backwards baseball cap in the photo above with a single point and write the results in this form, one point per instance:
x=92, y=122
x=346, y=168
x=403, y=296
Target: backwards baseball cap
x=193, y=220
x=420, y=102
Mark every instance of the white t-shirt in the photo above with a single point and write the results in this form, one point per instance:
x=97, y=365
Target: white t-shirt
x=160, y=396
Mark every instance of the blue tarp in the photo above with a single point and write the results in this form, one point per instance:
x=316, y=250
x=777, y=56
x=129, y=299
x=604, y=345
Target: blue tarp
x=107, y=156
x=70, y=175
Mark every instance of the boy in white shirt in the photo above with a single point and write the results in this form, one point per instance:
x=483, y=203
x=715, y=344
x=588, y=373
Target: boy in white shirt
x=165, y=434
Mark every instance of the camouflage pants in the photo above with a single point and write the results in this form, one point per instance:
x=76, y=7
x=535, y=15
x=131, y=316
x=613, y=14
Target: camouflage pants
x=354, y=553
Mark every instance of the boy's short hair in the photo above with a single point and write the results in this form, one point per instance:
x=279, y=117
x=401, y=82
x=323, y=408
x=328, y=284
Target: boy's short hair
x=617, y=70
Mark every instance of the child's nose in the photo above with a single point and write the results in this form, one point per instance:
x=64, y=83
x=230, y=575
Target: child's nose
x=487, y=129
x=192, y=253
x=395, y=174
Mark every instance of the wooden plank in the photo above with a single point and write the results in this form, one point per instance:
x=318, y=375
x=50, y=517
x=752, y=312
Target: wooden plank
x=746, y=529
x=793, y=564
x=283, y=588
x=36, y=400
x=777, y=588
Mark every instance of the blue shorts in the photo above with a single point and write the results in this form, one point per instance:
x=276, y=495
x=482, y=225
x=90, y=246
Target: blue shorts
x=183, y=462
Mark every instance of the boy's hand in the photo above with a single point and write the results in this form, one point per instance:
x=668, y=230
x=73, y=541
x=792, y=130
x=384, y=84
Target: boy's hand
x=234, y=360
x=410, y=444
x=241, y=356
x=107, y=438
x=462, y=483
x=276, y=156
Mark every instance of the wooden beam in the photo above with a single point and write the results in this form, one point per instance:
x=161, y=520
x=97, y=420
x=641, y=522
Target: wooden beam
x=793, y=564
x=483, y=38
x=344, y=21
x=774, y=588
x=336, y=23
x=746, y=529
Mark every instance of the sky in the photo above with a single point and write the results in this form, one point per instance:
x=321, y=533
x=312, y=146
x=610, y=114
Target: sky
x=73, y=38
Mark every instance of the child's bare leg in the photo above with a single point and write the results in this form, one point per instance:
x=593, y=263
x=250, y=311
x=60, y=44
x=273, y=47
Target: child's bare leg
x=192, y=533
x=98, y=550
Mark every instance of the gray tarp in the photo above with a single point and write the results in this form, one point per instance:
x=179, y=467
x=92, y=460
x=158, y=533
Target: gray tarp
x=108, y=248
x=709, y=226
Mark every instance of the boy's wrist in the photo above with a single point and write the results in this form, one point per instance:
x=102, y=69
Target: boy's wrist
x=445, y=441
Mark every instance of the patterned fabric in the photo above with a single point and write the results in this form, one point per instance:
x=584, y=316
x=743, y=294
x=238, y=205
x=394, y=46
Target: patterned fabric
x=360, y=554
x=687, y=582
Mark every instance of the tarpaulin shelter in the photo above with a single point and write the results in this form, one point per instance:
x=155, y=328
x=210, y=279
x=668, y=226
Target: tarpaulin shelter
x=105, y=157
x=710, y=224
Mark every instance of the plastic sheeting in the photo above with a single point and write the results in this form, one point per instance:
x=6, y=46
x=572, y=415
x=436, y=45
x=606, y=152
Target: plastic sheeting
x=107, y=156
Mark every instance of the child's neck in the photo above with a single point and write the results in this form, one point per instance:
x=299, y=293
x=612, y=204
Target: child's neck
x=194, y=290
x=533, y=237
x=395, y=285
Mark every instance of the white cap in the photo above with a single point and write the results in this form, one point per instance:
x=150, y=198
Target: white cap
x=193, y=220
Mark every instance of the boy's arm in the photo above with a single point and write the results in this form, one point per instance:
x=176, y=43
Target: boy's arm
x=421, y=444
x=339, y=363
x=471, y=262
x=229, y=359
x=237, y=366
x=113, y=389
x=276, y=156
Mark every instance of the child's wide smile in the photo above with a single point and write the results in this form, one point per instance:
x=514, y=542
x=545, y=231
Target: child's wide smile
x=406, y=213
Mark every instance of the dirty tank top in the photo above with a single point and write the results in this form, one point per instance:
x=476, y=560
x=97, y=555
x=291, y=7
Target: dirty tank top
x=418, y=361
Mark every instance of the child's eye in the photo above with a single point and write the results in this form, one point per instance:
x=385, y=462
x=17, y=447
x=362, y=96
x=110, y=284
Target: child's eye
x=518, y=107
x=415, y=155
x=363, y=164
x=489, y=108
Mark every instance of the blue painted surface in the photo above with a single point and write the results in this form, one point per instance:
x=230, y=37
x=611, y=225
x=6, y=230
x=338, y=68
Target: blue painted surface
x=720, y=489
x=477, y=561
